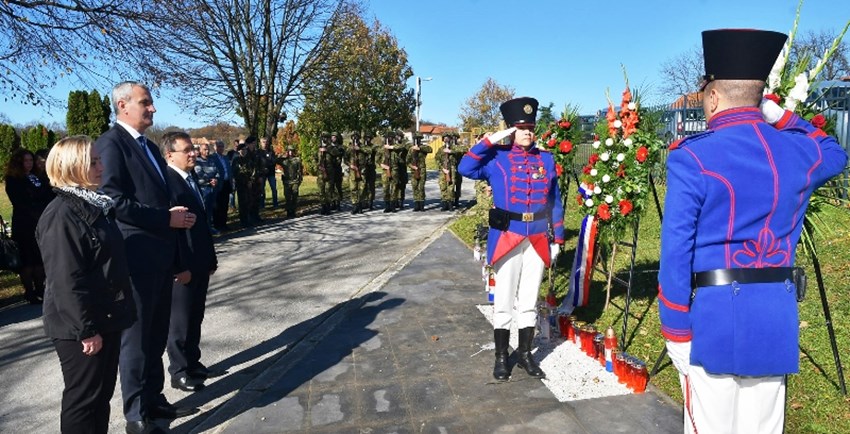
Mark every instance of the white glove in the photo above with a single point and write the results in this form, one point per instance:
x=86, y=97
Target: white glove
x=680, y=354
x=499, y=135
x=771, y=111
x=554, y=250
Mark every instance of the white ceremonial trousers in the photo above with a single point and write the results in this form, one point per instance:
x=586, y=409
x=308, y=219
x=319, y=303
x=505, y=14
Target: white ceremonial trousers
x=518, y=277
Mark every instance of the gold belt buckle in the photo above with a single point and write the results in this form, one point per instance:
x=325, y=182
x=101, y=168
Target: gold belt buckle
x=528, y=217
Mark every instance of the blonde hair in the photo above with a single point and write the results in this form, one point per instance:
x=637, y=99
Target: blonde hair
x=69, y=161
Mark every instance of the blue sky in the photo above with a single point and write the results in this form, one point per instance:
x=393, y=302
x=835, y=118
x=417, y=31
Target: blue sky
x=556, y=51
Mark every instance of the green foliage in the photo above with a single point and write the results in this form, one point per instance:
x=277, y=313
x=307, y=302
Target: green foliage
x=481, y=110
x=87, y=113
x=38, y=137
x=309, y=149
x=96, y=122
x=75, y=119
x=9, y=141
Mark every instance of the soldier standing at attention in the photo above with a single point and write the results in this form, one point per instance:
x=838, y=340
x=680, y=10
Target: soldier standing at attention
x=527, y=201
x=370, y=171
x=269, y=160
x=291, y=177
x=243, y=177
x=258, y=179
x=386, y=158
x=447, y=167
x=324, y=177
x=400, y=159
x=459, y=149
x=337, y=154
x=739, y=193
x=358, y=161
x=416, y=161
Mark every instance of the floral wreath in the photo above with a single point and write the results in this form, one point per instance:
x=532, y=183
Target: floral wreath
x=560, y=138
x=615, y=186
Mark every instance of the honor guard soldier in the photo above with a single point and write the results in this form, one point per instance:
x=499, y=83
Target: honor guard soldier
x=737, y=194
x=416, y=161
x=459, y=149
x=291, y=177
x=337, y=154
x=447, y=166
x=527, y=202
x=402, y=148
x=386, y=158
x=358, y=162
x=258, y=182
x=324, y=175
x=370, y=174
x=243, y=178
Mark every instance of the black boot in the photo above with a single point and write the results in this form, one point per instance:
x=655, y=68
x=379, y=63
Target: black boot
x=444, y=206
x=420, y=206
x=501, y=370
x=388, y=206
x=524, y=358
x=326, y=209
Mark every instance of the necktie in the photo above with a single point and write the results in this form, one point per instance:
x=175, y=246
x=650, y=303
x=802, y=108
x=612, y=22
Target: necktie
x=194, y=186
x=147, y=150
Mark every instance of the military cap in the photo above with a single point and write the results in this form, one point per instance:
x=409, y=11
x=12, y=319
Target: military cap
x=335, y=134
x=291, y=148
x=520, y=112
x=325, y=134
x=241, y=146
x=368, y=135
x=355, y=134
x=740, y=54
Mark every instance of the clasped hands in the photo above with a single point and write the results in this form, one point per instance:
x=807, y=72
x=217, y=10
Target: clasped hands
x=181, y=218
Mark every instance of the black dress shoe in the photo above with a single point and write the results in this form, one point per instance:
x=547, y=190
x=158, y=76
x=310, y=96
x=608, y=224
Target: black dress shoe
x=170, y=411
x=142, y=427
x=204, y=372
x=187, y=383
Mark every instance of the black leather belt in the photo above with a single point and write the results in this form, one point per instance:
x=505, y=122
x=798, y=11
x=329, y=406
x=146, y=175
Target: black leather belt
x=527, y=216
x=742, y=275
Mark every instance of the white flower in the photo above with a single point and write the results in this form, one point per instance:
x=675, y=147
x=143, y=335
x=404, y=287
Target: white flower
x=593, y=172
x=775, y=77
x=615, y=165
x=799, y=92
x=621, y=157
x=604, y=156
x=609, y=199
x=632, y=106
x=606, y=178
x=609, y=141
x=596, y=144
x=597, y=190
x=588, y=203
x=628, y=142
x=618, y=123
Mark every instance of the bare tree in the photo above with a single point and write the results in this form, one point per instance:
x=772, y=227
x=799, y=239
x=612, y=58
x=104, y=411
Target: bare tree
x=810, y=47
x=481, y=110
x=682, y=73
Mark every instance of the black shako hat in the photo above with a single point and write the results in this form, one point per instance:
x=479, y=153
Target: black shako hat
x=519, y=112
x=740, y=54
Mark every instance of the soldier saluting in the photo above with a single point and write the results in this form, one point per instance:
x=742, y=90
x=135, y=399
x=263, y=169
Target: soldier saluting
x=527, y=202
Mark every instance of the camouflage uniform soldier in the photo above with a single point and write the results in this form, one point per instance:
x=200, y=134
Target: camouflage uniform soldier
x=446, y=161
x=358, y=162
x=243, y=176
x=324, y=176
x=258, y=180
x=337, y=154
x=291, y=178
x=402, y=148
x=459, y=149
x=416, y=161
x=370, y=173
x=386, y=158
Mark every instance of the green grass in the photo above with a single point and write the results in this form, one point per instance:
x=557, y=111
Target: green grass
x=815, y=403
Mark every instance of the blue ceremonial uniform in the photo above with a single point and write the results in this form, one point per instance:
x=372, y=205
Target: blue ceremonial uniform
x=523, y=182
x=736, y=198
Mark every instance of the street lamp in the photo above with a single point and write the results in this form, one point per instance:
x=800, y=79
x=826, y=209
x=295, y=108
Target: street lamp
x=419, y=81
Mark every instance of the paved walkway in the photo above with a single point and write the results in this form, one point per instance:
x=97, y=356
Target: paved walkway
x=407, y=358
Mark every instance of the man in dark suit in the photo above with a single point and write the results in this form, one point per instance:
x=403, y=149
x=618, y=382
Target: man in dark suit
x=134, y=176
x=197, y=255
x=223, y=189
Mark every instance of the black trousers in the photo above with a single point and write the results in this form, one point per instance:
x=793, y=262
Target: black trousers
x=143, y=344
x=188, y=303
x=222, y=204
x=243, y=199
x=89, y=384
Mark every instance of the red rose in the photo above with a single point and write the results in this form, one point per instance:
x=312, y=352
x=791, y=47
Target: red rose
x=819, y=121
x=642, y=153
x=580, y=200
x=621, y=172
x=566, y=146
x=625, y=207
x=593, y=159
x=604, y=212
x=551, y=143
x=773, y=97
x=559, y=170
x=564, y=124
x=587, y=169
x=590, y=187
x=546, y=135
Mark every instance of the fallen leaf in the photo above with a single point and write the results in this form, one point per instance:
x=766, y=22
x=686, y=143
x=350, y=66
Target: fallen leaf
x=796, y=405
x=435, y=338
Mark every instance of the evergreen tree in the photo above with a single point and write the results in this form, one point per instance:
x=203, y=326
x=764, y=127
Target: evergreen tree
x=75, y=119
x=9, y=141
x=38, y=137
x=96, y=123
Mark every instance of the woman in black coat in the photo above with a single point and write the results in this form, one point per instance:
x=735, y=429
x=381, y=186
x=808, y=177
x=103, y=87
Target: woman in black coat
x=29, y=192
x=87, y=300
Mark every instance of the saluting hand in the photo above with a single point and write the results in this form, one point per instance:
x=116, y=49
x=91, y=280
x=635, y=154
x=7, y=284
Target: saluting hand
x=499, y=135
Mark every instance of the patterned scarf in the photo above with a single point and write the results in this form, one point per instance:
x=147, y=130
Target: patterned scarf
x=102, y=201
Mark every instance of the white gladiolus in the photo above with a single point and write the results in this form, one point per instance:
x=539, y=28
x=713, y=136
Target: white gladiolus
x=594, y=172
x=775, y=77
x=621, y=157
x=596, y=144
x=799, y=92
x=597, y=190
x=609, y=199
x=588, y=203
x=609, y=141
x=606, y=178
x=628, y=142
x=604, y=156
x=618, y=123
x=632, y=106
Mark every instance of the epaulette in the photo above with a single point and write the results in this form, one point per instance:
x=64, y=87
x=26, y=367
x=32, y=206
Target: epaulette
x=684, y=141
